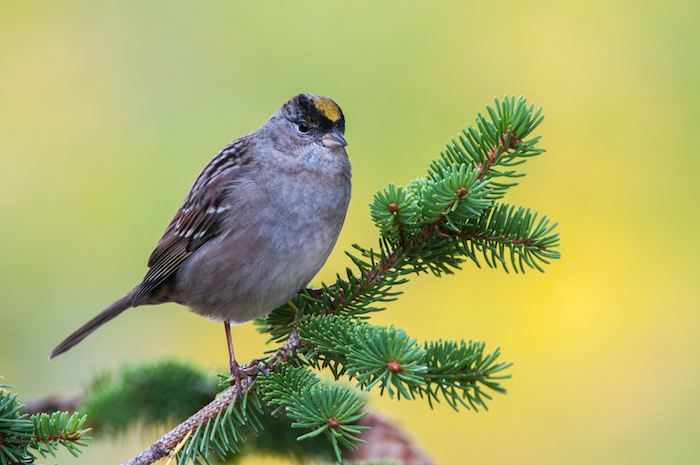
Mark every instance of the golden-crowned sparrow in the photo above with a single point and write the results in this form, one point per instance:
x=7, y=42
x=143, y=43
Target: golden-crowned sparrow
x=258, y=223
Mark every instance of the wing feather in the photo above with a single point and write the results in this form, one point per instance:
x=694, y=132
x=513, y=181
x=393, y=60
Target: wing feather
x=198, y=220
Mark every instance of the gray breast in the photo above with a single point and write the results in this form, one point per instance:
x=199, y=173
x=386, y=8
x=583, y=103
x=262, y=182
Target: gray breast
x=278, y=236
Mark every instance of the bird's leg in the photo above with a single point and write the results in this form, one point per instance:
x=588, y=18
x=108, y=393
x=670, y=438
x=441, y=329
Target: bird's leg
x=236, y=371
x=233, y=364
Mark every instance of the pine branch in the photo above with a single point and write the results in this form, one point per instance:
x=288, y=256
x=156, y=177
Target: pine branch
x=45, y=433
x=146, y=393
x=390, y=359
x=324, y=409
x=16, y=430
x=59, y=429
x=435, y=224
x=210, y=417
x=170, y=441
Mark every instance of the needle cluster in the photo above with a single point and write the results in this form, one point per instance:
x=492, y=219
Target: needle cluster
x=21, y=435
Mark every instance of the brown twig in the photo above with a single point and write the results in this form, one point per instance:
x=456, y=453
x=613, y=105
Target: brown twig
x=52, y=403
x=170, y=441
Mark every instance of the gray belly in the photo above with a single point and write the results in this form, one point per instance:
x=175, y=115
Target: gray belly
x=274, y=243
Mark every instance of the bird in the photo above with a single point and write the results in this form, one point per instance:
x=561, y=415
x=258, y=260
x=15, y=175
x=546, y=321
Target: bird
x=256, y=226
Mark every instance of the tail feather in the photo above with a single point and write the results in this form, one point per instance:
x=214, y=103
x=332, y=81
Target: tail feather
x=103, y=317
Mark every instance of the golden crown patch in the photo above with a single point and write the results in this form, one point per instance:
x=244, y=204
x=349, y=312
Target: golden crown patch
x=328, y=108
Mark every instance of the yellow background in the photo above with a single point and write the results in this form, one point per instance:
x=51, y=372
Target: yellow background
x=108, y=111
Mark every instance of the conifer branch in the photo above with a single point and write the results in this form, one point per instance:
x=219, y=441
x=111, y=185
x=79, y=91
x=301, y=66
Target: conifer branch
x=212, y=412
x=20, y=432
x=434, y=224
x=170, y=441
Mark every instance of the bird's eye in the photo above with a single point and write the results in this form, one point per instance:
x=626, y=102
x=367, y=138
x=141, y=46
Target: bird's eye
x=303, y=127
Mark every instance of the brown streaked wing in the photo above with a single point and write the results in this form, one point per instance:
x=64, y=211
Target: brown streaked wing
x=196, y=221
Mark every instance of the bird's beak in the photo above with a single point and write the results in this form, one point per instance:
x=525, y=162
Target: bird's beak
x=334, y=140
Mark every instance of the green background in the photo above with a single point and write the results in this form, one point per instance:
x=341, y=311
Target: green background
x=109, y=110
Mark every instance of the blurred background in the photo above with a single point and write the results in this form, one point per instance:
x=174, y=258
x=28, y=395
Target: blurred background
x=108, y=111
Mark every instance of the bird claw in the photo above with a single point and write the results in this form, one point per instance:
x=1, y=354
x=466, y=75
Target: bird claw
x=250, y=370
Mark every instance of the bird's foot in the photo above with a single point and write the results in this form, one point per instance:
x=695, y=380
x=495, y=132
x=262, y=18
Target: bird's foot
x=247, y=371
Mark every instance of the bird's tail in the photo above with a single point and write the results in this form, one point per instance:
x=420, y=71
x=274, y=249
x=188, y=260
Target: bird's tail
x=103, y=317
